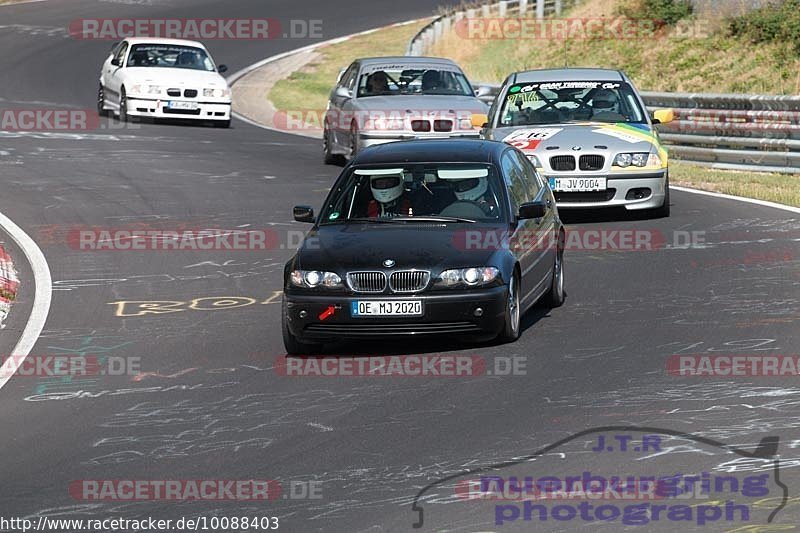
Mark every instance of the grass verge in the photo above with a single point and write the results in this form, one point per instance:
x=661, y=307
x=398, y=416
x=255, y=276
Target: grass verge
x=780, y=188
x=311, y=85
x=697, y=54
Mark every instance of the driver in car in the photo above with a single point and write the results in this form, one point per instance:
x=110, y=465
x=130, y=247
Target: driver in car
x=476, y=190
x=389, y=200
x=606, y=106
x=378, y=83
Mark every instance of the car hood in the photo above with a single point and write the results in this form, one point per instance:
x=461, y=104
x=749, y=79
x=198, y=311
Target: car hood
x=620, y=137
x=177, y=77
x=414, y=103
x=421, y=245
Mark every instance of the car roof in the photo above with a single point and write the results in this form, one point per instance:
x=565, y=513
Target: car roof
x=409, y=60
x=568, y=74
x=156, y=40
x=432, y=151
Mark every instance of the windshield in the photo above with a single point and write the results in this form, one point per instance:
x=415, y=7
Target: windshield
x=387, y=80
x=170, y=56
x=528, y=104
x=417, y=192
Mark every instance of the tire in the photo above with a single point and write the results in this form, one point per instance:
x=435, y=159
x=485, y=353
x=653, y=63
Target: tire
x=224, y=124
x=101, y=101
x=555, y=296
x=663, y=211
x=123, y=106
x=292, y=345
x=513, y=314
x=328, y=157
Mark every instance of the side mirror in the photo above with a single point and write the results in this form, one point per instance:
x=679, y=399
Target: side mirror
x=532, y=210
x=483, y=90
x=663, y=116
x=115, y=62
x=303, y=213
x=343, y=92
x=114, y=46
x=479, y=120
x=222, y=69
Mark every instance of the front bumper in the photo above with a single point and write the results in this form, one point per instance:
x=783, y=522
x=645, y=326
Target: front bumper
x=444, y=313
x=367, y=139
x=157, y=108
x=634, y=191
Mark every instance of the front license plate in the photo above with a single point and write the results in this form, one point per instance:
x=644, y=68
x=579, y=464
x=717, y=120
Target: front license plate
x=182, y=105
x=360, y=308
x=578, y=184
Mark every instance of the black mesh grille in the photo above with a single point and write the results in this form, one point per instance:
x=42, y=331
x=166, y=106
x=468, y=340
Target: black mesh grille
x=190, y=93
x=592, y=196
x=592, y=162
x=420, y=125
x=442, y=125
x=562, y=162
x=174, y=92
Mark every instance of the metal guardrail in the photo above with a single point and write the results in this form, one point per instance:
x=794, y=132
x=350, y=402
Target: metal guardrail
x=429, y=34
x=725, y=131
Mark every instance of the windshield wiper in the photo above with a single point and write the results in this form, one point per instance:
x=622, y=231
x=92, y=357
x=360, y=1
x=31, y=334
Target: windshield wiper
x=435, y=219
x=373, y=220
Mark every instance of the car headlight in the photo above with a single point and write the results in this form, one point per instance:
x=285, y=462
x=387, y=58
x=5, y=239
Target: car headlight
x=471, y=277
x=384, y=124
x=154, y=89
x=135, y=89
x=637, y=159
x=535, y=160
x=216, y=93
x=465, y=124
x=310, y=279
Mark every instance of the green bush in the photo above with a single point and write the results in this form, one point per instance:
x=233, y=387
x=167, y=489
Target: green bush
x=777, y=22
x=665, y=11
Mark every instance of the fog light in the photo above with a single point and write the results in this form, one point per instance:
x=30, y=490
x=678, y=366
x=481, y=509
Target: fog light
x=478, y=312
x=302, y=314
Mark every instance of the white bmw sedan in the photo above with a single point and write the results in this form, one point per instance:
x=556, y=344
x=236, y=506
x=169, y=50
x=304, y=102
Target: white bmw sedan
x=164, y=78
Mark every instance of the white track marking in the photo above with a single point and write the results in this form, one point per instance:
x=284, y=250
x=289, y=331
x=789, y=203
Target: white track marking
x=41, y=300
x=764, y=203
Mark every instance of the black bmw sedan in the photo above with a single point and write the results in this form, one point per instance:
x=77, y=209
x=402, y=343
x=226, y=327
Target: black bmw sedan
x=455, y=237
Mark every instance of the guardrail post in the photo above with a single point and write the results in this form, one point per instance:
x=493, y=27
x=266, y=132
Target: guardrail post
x=437, y=30
x=486, y=11
x=559, y=7
x=523, y=7
x=539, y=9
x=502, y=8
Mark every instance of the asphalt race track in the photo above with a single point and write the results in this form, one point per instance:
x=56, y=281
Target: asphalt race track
x=209, y=404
